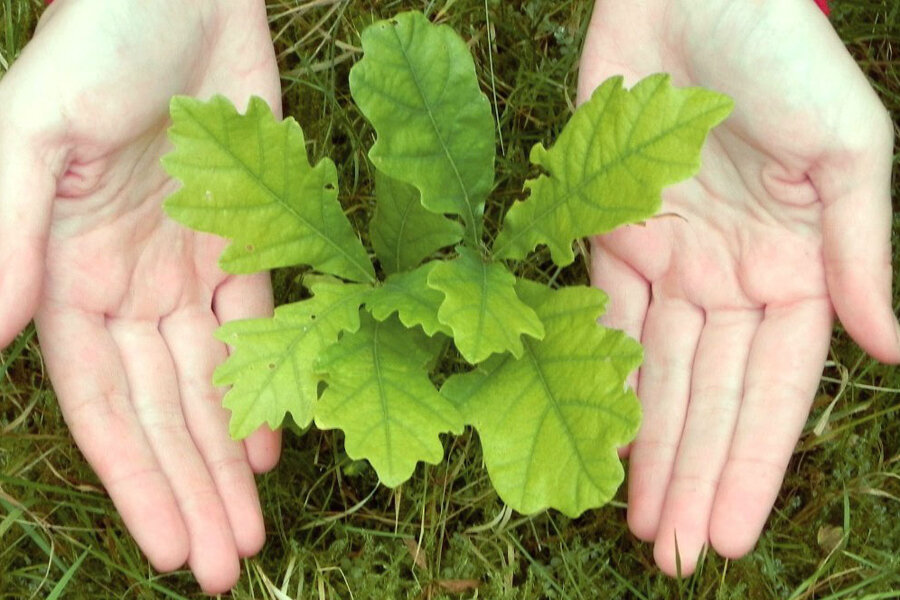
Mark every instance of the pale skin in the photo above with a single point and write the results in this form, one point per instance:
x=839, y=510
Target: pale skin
x=125, y=300
x=733, y=294
x=743, y=281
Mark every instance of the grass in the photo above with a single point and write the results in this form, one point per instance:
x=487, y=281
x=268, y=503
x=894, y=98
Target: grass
x=333, y=532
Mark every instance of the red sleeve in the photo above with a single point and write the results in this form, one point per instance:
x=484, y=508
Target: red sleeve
x=823, y=4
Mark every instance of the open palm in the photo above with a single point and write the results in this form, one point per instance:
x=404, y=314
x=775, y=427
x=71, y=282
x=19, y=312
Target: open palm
x=732, y=290
x=126, y=301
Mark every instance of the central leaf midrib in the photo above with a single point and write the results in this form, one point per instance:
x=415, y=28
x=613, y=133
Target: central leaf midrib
x=382, y=396
x=481, y=315
x=555, y=407
x=437, y=133
x=278, y=200
x=403, y=219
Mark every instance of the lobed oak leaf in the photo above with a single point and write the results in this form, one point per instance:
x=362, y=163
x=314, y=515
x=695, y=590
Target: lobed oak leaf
x=551, y=421
x=272, y=364
x=402, y=231
x=417, y=85
x=610, y=163
x=409, y=295
x=481, y=307
x=247, y=178
x=380, y=395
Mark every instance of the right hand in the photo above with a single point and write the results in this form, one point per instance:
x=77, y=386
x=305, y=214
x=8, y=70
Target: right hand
x=788, y=221
x=126, y=301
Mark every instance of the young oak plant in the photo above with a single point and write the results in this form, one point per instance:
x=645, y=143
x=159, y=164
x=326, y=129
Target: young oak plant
x=546, y=392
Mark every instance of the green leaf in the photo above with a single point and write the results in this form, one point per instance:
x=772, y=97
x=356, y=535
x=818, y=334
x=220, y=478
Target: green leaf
x=481, y=307
x=379, y=394
x=408, y=295
x=551, y=421
x=402, y=231
x=417, y=85
x=610, y=163
x=271, y=367
x=247, y=178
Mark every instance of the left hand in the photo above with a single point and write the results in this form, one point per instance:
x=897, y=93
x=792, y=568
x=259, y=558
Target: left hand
x=126, y=300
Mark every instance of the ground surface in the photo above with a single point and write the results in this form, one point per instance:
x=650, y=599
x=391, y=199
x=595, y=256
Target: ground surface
x=333, y=532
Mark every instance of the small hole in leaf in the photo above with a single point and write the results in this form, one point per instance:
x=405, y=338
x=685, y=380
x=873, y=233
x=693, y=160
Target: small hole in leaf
x=312, y=317
x=329, y=186
x=249, y=247
x=394, y=22
x=271, y=365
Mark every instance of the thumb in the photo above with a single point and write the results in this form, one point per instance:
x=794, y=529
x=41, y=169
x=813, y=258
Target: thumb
x=855, y=188
x=27, y=187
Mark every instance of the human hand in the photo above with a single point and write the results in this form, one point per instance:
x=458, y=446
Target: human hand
x=732, y=296
x=126, y=300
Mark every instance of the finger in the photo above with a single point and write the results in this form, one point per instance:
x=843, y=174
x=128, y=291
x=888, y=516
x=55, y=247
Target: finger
x=628, y=291
x=263, y=448
x=856, y=191
x=629, y=297
x=89, y=380
x=716, y=389
x=196, y=353
x=248, y=297
x=783, y=370
x=154, y=393
x=671, y=332
x=26, y=192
